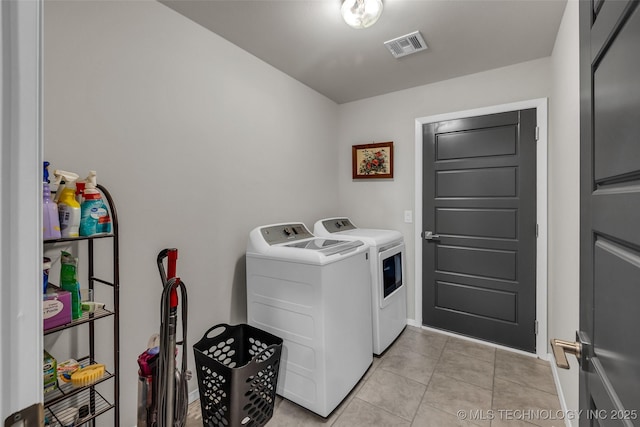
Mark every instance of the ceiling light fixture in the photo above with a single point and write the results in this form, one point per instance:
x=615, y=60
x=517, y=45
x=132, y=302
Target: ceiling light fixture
x=361, y=13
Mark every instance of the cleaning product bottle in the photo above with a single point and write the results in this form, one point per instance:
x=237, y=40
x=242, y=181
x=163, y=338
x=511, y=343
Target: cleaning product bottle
x=68, y=206
x=104, y=220
x=94, y=216
x=69, y=282
x=80, y=192
x=50, y=219
x=90, y=205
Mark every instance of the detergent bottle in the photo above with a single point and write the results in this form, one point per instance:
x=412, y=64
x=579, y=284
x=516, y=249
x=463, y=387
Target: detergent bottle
x=50, y=219
x=94, y=214
x=68, y=206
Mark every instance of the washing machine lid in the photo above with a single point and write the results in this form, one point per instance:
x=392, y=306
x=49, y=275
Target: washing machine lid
x=293, y=241
x=343, y=228
x=325, y=246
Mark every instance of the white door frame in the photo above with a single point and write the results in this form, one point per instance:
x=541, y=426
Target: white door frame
x=21, y=206
x=540, y=105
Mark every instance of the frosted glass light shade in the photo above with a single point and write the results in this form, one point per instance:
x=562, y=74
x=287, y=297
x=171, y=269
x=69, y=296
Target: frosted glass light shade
x=361, y=13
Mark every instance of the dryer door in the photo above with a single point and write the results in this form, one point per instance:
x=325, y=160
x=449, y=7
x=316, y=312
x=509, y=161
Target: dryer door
x=390, y=272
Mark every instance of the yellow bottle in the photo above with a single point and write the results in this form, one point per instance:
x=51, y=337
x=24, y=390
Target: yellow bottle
x=68, y=206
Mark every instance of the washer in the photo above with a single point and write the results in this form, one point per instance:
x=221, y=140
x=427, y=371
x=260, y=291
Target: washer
x=314, y=293
x=389, y=292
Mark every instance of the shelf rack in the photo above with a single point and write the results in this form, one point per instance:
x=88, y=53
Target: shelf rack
x=68, y=395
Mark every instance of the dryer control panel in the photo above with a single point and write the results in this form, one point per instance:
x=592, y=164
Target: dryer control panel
x=282, y=233
x=338, y=224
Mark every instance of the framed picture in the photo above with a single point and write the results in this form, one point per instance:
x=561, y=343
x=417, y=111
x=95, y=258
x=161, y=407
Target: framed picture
x=372, y=160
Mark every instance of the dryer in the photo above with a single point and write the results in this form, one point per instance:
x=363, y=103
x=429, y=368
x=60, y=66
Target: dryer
x=388, y=288
x=314, y=293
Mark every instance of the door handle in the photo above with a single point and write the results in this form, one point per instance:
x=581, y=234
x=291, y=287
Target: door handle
x=580, y=348
x=428, y=235
x=561, y=348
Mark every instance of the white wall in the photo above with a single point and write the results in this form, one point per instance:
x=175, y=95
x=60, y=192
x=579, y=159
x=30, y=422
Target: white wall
x=564, y=194
x=197, y=140
x=380, y=204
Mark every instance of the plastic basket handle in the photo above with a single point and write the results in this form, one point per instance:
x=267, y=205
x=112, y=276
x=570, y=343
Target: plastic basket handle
x=224, y=327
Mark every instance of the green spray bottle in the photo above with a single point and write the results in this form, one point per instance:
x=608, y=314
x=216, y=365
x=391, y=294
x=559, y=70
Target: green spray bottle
x=69, y=282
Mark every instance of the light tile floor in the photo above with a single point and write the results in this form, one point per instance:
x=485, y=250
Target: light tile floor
x=427, y=379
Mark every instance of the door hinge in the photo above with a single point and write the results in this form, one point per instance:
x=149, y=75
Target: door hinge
x=31, y=416
x=535, y=327
x=537, y=231
x=537, y=133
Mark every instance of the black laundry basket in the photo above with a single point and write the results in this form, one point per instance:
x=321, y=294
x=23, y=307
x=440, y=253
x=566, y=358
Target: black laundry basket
x=237, y=368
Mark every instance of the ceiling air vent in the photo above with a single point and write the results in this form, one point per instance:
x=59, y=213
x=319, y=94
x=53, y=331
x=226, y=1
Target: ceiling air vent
x=406, y=45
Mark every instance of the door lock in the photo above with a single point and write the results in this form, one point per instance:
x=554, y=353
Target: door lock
x=428, y=235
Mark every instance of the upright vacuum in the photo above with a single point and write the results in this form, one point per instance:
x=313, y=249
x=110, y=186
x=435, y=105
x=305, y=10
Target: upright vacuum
x=162, y=390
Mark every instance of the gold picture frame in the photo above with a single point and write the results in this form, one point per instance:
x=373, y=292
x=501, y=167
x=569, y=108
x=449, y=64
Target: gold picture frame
x=371, y=161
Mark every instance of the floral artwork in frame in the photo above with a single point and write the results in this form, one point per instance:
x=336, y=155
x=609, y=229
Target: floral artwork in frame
x=372, y=160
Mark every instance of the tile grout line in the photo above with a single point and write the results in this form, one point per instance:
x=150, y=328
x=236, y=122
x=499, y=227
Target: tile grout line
x=429, y=382
x=360, y=386
x=466, y=382
x=355, y=396
x=410, y=379
x=526, y=385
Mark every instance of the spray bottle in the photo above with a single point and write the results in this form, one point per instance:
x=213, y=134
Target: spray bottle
x=68, y=206
x=50, y=219
x=94, y=216
x=69, y=282
x=80, y=192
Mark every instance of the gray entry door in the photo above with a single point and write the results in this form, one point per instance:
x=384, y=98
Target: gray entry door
x=479, y=201
x=610, y=213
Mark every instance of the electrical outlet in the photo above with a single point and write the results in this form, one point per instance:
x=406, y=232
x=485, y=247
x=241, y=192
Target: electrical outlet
x=408, y=217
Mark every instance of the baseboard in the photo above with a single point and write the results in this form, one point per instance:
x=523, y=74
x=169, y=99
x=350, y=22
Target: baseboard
x=487, y=343
x=194, y=395
x=563, y=402
x=412, y=322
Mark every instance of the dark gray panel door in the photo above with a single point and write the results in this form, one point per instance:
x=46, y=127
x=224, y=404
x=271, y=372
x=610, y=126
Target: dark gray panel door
x=610, y=213
x=479, y=196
